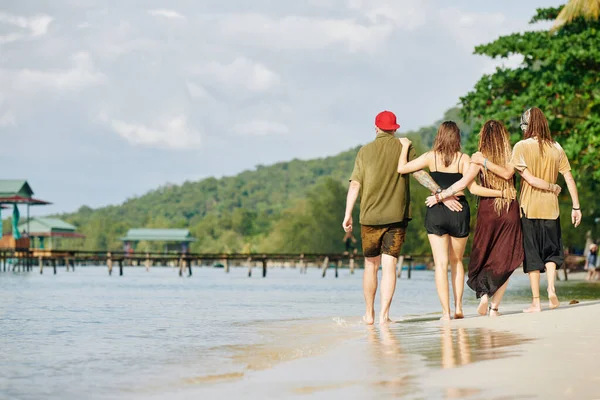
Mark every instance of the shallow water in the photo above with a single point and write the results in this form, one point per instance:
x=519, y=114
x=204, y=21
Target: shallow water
x=84, y=334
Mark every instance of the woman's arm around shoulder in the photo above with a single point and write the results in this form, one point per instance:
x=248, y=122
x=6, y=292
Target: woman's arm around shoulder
x=405, y=167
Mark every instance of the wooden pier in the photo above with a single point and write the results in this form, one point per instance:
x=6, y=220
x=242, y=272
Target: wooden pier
x=30, y=259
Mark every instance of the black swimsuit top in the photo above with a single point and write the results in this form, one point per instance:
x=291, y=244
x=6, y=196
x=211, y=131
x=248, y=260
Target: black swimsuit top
x=446, y=179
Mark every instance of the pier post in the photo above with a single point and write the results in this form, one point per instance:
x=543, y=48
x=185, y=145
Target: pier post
x=302, y=264
x=410, y=265
x=249, y=267
x=54, y=265
x=73, y=261
x=325, y=266
x=109, y=263
x=337, y=266
x=188, y=262
x=264, y=267
x=399, y=267
x=226, y=264
x=41, y=263
x=121, y=267
x=147, y=262
x=352, y=265
x=67, y=264
x=181, y=266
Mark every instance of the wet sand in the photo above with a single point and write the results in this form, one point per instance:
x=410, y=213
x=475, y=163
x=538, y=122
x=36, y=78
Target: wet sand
x=550, y=355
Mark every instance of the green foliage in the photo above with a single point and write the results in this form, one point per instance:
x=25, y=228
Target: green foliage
x=560, y=74
x=314, y=223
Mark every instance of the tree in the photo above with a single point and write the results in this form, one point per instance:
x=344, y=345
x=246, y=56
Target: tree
x=588, y=9
x=560, y=73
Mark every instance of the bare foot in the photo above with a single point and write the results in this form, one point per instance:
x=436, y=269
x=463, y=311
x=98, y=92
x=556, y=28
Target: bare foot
x=446, y=318
x=384, y=320
x=553, y=301
x=483, y=305
x=533, y=309
x=459, y=315
x=369, y=319
x=494, y=312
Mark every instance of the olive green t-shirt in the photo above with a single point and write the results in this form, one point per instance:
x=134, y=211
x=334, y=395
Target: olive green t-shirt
x=384, y=193
x=536, y=203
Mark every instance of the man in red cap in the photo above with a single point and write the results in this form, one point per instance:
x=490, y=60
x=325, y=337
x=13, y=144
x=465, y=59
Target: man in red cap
x=384, y=210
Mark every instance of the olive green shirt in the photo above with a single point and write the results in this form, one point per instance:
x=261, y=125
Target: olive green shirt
x=384, y=193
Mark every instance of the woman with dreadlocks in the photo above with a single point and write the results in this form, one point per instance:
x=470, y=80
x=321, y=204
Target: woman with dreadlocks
x=538, y=154
x=498, y=243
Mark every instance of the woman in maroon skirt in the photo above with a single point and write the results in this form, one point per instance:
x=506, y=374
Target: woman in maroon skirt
x=498, y=243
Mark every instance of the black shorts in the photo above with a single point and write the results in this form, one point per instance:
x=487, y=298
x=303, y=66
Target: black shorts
x=383, y=239
x=542, y=241
x=440, y=220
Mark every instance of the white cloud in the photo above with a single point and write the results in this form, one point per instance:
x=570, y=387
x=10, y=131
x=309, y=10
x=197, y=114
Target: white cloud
x=299, y=32
x=7, y=119
x=513, y=61
x=172, y=133
x=406, y=15
x=472, y=28
x=197, y=91
x=241, y=73
x=81, y=75
x=165, y=13
x=259, y=127
x=36, y=26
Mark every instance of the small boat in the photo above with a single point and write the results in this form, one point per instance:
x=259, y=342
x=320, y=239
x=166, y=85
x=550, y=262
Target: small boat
x=218, y=265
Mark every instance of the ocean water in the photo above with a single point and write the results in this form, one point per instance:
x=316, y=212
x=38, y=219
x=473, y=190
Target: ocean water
x=85, y=334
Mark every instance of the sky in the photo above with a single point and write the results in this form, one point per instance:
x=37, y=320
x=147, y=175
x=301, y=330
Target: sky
x=104, y=100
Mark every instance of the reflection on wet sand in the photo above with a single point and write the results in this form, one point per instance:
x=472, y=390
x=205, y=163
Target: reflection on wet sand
x=391, y=361
x=462, y=346
x=442, y=347
x=396, y=357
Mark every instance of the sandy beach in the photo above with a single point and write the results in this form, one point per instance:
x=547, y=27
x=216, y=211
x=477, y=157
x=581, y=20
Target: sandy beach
x=549, y=355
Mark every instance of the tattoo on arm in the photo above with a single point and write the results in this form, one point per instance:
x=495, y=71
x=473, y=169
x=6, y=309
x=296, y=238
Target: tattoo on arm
x=450, y=191
x=426, y=180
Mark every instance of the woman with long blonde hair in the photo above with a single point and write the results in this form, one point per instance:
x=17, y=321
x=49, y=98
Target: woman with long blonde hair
x=498, y=243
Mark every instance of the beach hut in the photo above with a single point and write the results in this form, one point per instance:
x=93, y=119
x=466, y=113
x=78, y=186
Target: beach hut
x=42, y=231
x=177, y=240
x=14, y=192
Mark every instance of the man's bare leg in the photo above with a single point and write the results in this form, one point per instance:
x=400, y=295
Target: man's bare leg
x=370, y=287
x=388, y=286
x=534, y=280
x=552, y=298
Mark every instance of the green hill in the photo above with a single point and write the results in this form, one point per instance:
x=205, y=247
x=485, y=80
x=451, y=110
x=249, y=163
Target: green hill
x=294, y=206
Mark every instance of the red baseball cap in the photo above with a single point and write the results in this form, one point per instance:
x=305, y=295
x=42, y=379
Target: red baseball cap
x=386, y=121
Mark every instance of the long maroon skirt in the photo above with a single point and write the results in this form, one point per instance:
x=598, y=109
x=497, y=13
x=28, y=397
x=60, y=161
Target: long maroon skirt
x=497, y=247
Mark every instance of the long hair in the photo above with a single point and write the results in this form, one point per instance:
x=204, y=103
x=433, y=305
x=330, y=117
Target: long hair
x=494, y=144
x=538, y=127
x=447, y=142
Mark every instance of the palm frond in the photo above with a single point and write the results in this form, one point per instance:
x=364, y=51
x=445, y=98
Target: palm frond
x=588, y=9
